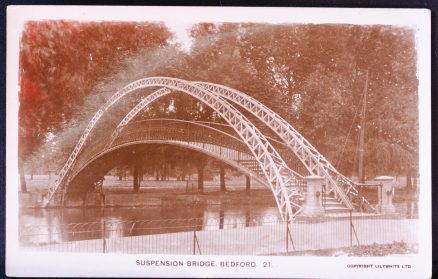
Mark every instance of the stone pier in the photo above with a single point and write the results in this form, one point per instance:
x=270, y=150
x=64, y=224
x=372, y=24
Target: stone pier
x=385, y=194
x=313, y=199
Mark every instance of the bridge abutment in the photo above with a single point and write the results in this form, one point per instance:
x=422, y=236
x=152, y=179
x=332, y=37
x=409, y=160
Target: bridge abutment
x=385, y=194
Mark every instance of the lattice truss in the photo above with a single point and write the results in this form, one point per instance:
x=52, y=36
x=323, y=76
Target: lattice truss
x=199, y=136
x=278, y=176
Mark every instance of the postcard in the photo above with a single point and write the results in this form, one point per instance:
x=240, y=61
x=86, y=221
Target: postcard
x=218, y=142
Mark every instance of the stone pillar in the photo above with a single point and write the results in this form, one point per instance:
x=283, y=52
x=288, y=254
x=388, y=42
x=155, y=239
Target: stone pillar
x=385, y=194
x=313, y=200
x=222, y=177
x=248, y=183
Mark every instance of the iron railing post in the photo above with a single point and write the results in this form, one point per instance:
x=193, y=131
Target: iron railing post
x=380, y=196
x=323, y=195
x=104, y=237
x=194, y=242
x=287, y=233
x=291, y=240
x=351, y=228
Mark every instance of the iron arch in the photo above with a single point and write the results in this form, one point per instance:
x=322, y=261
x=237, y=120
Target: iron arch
x=314, y=161
x=276, y=171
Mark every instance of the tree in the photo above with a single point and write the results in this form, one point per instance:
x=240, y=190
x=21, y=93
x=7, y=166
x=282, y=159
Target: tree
x=320, y=69
x=312, y=75
x=61, y=62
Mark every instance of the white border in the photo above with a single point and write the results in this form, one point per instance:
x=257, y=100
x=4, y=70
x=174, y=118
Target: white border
x=52, y=264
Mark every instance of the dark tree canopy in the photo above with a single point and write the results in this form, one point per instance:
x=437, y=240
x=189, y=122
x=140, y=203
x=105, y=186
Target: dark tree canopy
x=312, y=75
x=62, y=61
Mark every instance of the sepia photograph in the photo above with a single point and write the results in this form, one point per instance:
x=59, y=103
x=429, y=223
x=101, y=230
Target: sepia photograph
x=218, y=142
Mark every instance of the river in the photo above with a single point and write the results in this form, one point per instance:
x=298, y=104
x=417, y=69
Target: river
x=40, y=226
x=69, y=224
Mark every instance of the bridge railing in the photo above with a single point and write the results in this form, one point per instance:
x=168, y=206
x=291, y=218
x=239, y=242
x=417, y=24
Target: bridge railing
x=170, y=130
x=92, y=149
x=223, y=143
x=230, y=147
x=352, y=190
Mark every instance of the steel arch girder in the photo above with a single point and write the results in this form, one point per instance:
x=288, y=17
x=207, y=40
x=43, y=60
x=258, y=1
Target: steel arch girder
x=271, y=166
x=309, y=156
x=164, y=91
x=249, y=134
x=273, y=120
x=61, y=175
x=146, y=101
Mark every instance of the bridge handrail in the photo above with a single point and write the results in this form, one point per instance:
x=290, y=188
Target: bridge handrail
x=291, y=160
x=169, y=121
x=90, y=154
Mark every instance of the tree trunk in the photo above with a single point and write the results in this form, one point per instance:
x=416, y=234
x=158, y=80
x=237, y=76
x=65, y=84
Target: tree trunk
x=167, y=172
x=200, y=179
x=222, y=178
x=140, y=173
x=23, y=186
x=248, y=183
x=183, y=175
x=136, y=179
x=408, y=179
x=414, y=184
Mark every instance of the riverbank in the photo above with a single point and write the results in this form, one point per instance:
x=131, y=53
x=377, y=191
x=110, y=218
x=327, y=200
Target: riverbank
x=373, y=250
x=172, y=193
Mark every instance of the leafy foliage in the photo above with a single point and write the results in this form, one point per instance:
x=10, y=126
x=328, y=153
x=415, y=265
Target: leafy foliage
x=312, y=75
x=62, y=61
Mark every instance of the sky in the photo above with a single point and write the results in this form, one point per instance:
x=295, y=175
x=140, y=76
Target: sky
x=181, y=31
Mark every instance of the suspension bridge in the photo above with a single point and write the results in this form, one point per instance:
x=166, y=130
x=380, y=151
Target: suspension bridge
x=285, y=162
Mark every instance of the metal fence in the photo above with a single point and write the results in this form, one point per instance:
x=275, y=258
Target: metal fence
x=251, y=235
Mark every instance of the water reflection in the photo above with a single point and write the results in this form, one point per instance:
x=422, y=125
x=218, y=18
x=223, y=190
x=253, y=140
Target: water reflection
x=408, y=209
x=232, y=218
x=42, y=226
